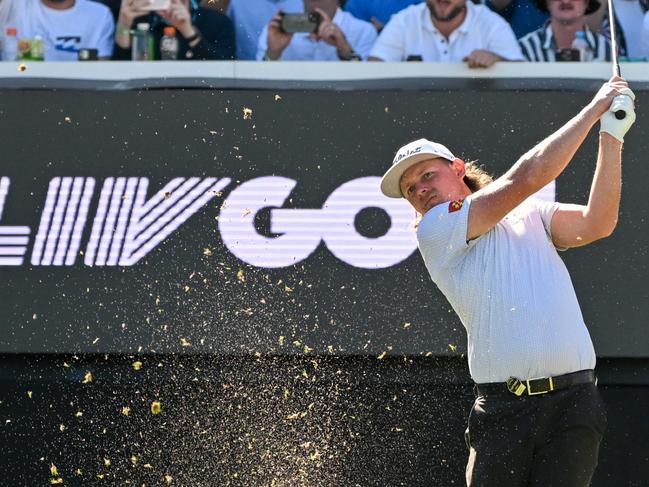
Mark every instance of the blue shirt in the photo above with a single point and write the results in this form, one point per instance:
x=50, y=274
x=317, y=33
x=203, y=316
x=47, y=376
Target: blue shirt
x=381, y=9
x=523, y=16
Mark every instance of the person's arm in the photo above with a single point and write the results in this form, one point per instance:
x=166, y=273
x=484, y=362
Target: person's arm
x=127, y=14
x=577, y=225
x=540, y=165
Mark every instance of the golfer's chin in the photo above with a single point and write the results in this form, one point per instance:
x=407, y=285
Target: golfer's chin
x=428, y=205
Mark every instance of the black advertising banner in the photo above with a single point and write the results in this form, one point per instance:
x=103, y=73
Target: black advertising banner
x=243, y=222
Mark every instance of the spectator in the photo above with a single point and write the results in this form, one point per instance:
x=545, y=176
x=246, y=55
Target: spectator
x=251, y=16
x=377, y=11
x=202, y=33
x=339, y=36
x=567, y=17
x=628, y=26
x=523, y=15
x=64, y=25
x=447, y=31
x=644, y=37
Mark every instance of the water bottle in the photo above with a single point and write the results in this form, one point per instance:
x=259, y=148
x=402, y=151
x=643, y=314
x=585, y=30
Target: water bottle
x=580, y=44
x=10, y=45
x=169, y=44
x=142, y=43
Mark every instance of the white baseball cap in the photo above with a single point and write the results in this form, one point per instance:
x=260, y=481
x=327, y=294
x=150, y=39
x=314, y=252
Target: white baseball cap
x=406, y=157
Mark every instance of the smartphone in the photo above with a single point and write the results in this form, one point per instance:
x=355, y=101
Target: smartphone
x=304, y=22
x=151, y=4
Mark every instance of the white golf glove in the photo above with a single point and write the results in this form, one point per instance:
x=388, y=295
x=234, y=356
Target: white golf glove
x=610, y=124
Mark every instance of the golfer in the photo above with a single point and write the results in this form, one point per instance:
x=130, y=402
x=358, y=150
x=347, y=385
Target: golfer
x=538, y=418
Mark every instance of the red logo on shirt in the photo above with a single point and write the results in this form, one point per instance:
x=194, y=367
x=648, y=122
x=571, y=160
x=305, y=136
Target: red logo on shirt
x=455, y=205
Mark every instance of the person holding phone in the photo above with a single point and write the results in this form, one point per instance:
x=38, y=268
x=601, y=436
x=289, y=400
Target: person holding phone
x=553, y=41
x=323, y=33
x=202, y=33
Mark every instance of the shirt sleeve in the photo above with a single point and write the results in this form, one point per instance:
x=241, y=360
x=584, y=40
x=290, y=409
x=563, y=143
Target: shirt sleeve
x=546, y=210
x=442, y=234
x=502, y=40
x=390, y=44
x=107, y=36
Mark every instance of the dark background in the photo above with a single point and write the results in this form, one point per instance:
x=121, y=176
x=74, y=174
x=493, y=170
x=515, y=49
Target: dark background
x=243, y=407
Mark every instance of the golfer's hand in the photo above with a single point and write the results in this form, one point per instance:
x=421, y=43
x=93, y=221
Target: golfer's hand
x=481, y=58
x=616, y=96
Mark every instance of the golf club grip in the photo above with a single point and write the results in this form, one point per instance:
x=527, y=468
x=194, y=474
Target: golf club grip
x=620, y=114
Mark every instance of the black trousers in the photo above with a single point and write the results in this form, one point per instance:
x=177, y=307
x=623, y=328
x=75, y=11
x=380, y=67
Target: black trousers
x=549, y=440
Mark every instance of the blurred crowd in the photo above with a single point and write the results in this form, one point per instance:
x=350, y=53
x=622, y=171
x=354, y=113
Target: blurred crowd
x=478, y=33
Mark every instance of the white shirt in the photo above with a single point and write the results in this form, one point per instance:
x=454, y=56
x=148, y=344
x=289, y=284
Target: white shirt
x=251, y=16
x=411, y=33
x=87, y=24
x=511, y=291
x=360, y=35
x=629, y=13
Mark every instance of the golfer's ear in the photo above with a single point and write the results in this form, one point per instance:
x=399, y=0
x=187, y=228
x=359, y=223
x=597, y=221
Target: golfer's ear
x=460, y=169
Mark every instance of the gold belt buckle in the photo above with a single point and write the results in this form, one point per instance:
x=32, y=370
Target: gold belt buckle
x=545, y=391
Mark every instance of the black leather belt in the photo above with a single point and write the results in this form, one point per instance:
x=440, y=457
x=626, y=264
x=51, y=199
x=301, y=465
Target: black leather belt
x=540, y=385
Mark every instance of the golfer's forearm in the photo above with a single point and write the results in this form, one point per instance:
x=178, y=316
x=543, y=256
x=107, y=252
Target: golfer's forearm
x=543, y=163
x=605, y=192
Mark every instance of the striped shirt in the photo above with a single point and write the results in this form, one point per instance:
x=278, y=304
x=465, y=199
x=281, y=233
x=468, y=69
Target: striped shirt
x=540, y=46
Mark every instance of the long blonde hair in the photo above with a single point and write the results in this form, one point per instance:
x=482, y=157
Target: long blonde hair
x=476, y=178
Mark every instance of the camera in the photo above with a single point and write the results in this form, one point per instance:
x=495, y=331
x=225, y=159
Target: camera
x=304, y=22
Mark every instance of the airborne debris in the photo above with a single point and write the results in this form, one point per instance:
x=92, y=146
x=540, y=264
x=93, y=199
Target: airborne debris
x=452, y=347
x=137, y=365
x=247, y=113
x=87, y=379
x=277, y=97
x=156, y=408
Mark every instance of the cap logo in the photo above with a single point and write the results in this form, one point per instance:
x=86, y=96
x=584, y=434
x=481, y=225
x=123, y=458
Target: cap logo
x=407, y=153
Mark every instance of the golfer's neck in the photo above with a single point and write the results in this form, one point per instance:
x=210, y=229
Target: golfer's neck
x=564, y=33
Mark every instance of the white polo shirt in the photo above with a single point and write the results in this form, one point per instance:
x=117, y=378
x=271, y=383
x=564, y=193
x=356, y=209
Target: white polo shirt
x=411, y=33
x=361, y=36
x=511, y=291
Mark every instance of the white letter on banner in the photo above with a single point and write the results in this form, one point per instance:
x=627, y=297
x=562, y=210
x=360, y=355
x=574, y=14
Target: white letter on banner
x=344, y=241
x=300, y=228
x=13, y=240
x=127, y=226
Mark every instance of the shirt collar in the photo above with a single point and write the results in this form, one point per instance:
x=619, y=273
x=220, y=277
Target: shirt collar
x=548, y=38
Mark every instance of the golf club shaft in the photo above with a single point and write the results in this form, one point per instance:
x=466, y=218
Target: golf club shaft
x=619, y=114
